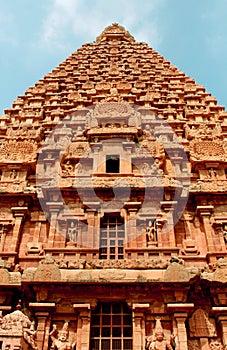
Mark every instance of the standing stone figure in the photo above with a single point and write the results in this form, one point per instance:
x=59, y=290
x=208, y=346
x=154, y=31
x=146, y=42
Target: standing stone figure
x=60, y=340
x=157, y=341
x=151, y=231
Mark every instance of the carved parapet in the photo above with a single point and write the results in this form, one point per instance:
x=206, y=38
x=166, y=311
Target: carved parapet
x=11, y=278
x=108, y=113
x=216, y=272
x=25, y=132
x=47, y=270
x=109, y=271
x=14, y=151
x=209, y=186
x=207, y=150
x=176, y=272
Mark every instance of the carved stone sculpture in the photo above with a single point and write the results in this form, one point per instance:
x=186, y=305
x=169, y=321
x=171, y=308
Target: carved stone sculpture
x=60, y=339
x=15, y=326
x=201, y=325
x=151, y=233
x=158, y=341
x=216, y=345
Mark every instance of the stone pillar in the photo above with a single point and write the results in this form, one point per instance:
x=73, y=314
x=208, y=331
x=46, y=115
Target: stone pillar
x=54, y=208
x=19, y=214
x=180, y=313
x=221, y=313
x=160, y=223
x=189, y=244
x=168, y=236
x=126, y=164
x=131, y=209
x=83, y=325
x=99, y=162
x=138, y=319
x=5, y=227
x=223, y=323
x=92, y=237
x=42, y=313
x=205, y=212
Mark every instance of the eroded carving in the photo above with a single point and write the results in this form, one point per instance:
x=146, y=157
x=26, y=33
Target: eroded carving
x=201, y=326
x=141, y=264
x=47, y=270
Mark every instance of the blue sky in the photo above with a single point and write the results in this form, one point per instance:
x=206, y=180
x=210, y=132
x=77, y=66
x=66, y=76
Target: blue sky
x=35, y=36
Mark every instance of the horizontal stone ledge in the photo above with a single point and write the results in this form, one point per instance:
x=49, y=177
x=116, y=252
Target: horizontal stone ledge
x=42, y=306
x=180, y=307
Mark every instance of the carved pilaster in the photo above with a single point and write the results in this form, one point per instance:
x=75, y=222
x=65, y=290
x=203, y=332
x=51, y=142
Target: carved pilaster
x=91, y=239
x=42, y=313
x=131, y=209
x=139, y=325
x=54, y=208
x=189, y=244
x=19, y=214
x=205, y=212
x=168, y=237
x=180, y=312
x=83, y=326
x=221, y=314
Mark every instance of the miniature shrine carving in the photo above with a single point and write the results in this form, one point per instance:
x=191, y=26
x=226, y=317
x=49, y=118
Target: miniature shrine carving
x=15, y=326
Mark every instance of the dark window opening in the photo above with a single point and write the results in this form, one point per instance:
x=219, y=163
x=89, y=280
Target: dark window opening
x=111, y=327
x=113, y=163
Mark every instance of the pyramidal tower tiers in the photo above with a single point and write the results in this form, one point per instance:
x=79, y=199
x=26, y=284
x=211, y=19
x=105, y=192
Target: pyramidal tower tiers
x=113, y=206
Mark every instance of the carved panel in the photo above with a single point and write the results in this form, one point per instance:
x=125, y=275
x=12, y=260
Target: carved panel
x=14, y=327
x=207, y=150
x=18, y=151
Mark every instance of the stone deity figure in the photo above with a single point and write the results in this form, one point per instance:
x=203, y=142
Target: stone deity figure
x=72, y=232
x=60, y=340
x=151, y=231
x=157, y=341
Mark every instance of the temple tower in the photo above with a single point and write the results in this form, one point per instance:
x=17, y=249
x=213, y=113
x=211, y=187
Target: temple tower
x=113, y=206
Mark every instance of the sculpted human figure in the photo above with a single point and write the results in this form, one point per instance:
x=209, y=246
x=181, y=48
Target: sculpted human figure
x=60, y=339
x=157, y=341
x=151, y=231
x=73, y=232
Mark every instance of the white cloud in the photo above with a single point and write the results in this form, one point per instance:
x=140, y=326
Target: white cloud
x=84, y=20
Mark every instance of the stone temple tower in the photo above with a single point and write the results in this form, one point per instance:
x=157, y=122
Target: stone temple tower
x=113, y=206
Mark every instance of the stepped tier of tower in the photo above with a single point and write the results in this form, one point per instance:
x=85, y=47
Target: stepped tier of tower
x=115, y=68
